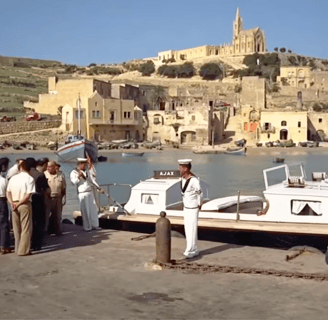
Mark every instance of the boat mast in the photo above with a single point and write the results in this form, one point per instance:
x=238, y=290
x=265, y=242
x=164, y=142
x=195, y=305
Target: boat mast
x=79, y=115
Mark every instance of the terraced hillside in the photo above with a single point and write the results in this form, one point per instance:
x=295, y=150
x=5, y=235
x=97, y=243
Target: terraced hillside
x=21, y=80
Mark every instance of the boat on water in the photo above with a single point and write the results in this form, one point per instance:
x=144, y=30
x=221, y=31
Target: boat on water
x=79, y=147
x=132, y=154
x=291, y=205
x=76, y=146
x=278, y=160
x=236, y=151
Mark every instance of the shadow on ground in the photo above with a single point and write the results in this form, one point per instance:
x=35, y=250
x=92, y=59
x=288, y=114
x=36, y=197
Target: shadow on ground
x=74, y=236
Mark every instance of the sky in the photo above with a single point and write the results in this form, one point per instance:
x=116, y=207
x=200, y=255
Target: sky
x=106, y=31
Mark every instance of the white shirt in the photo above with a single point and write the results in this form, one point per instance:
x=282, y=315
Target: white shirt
x=83, y=185
x=12, y=171
x=3, y=186
x=20, y=185
x=193, y=196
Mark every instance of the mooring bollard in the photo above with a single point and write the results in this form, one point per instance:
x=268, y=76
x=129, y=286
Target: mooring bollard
x=163, y=239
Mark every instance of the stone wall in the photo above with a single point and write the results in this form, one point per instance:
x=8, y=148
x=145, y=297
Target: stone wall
x=14, y=127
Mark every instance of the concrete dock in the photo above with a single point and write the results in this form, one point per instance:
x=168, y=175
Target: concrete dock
x=104, y=274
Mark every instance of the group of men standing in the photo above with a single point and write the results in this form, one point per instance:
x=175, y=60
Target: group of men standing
x=36, y=193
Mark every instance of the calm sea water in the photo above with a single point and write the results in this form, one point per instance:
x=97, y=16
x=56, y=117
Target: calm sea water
x=225, y=174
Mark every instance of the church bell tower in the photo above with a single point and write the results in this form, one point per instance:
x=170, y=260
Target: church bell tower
x=238, y=25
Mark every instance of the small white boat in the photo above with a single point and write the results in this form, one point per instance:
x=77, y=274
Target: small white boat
x=132, y=154
x=292, y=205
x=236, y=151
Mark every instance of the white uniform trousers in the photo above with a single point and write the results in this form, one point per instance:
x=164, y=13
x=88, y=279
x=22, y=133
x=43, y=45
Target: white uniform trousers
x=190, y=226
x=89, y=210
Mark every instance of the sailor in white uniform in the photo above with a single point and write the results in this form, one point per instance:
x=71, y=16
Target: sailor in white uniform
x=85, y=183
x=192, y=197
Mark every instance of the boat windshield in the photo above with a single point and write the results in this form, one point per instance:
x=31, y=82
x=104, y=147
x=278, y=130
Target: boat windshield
x=283, y=173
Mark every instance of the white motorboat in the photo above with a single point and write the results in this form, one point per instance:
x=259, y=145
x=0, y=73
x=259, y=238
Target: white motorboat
x=292, y=205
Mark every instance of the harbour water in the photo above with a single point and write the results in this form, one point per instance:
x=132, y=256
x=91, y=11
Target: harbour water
x=225, y=174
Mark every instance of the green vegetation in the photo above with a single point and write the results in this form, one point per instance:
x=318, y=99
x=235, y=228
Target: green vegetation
x=185, y=70
x=210, y=71
x=147, y=68
x=263, y=65
x=103, y=70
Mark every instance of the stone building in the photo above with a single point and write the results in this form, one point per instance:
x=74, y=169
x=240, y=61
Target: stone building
x=243, y=42
x=303, y=77
x=185, y=127
x=101, y=116
x=104, y=119
x=63, y=92
x=253, y=92
x=283, y=125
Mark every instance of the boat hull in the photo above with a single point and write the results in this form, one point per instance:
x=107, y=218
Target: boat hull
x=132, y=154
x=78, y=149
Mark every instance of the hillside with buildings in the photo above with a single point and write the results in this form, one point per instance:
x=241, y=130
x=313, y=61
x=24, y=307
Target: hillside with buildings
x=197, y=96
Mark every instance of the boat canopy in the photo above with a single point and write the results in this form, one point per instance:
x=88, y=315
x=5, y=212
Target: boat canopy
x=152, y=196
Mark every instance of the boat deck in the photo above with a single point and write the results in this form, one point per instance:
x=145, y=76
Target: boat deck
x=228, y=225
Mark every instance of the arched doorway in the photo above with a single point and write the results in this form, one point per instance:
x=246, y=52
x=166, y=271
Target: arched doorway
x=283, y=134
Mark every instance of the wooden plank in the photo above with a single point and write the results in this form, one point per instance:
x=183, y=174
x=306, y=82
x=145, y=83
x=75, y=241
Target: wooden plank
x=232, y=225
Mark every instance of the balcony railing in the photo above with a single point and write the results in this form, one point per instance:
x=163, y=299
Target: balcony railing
x=270, y=129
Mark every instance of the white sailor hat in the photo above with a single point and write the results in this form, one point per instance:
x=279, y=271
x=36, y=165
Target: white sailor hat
x=82, y=160
x=184, y=161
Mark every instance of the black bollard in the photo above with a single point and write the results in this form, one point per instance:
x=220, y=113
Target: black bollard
x=163, y=239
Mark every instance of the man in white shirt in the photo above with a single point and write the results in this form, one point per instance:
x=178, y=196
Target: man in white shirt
x=14, y=169
x=192, y=197
x=84, y=182
x=20, y=188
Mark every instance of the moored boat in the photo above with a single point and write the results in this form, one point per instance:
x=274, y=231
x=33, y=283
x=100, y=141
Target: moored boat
x=80, y=148
x=132, y=154
x=278, y=160
x=291, y=205
x=236, y=151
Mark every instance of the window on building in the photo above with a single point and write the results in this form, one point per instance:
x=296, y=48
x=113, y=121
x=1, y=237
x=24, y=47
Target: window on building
x=299, y=124
x=193, y=118
x=320, y=120
x=111, y=115
x=79, y=115
x=96, y=104
x=284, y=123
x=95, y=114
x=268, y=135
x=127, y=114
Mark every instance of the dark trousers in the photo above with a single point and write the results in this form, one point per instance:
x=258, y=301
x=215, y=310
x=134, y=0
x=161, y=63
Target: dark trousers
x=4, y=224
x=55, y=216
x=38, y=220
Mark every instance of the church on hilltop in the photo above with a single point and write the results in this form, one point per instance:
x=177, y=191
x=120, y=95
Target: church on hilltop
x=243, y=42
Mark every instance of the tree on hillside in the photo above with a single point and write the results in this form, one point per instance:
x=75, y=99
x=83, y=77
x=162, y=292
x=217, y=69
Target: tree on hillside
x=147, y=68
x=158, y=96
x=210, y=71
x=282, y=50
x=168, y=71
x=186, y=70
x=276, y=49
